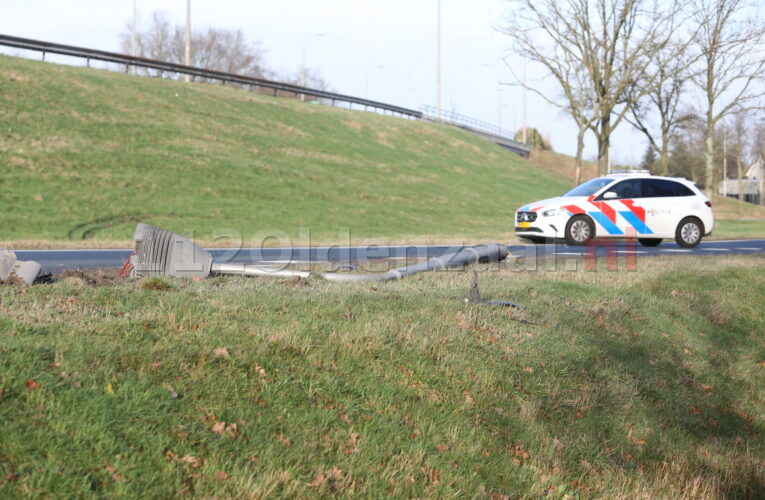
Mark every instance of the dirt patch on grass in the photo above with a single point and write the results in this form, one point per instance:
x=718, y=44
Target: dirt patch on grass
x=288, y=130
x=457, y=143
x=354, y=125
x=92, y=277
x=383, y=136
x=12, y=280
x=14, y=76
x=316, y=155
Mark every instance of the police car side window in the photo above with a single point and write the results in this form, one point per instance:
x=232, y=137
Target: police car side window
x=681, y=190
x=658, y=188
x=662, y=188
x=629, y=188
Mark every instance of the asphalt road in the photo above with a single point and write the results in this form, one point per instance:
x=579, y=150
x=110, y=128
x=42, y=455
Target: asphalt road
x=56, y=261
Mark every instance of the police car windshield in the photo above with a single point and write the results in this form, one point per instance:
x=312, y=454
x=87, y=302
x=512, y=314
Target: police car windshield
x=589, y=187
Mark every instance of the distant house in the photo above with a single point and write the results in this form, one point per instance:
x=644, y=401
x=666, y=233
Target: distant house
x=753, y=183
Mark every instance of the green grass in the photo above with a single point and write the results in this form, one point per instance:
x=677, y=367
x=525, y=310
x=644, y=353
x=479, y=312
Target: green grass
x=731, y=229
x=87, y=153
x=632, y=384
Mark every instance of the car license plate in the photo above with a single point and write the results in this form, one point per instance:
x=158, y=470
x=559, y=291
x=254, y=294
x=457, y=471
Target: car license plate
x=524, y=225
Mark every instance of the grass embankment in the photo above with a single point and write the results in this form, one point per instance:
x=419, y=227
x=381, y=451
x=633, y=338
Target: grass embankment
x=737, y=219
x=633, y=384
x=87, y=153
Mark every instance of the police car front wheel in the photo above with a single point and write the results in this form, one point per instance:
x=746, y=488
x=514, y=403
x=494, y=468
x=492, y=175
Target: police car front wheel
x=579, y=229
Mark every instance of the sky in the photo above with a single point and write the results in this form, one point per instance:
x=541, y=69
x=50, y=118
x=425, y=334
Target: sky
x=383, y=50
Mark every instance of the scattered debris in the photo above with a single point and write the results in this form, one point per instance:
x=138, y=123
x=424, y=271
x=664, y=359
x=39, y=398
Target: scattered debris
x=474, y=296
x=159, y=252
x=13, y=271
x=490, y=252
x=94, y=277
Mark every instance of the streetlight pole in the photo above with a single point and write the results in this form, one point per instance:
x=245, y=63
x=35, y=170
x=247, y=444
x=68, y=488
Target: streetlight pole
x=525, y=126
x=499, y=96
x=302, y=61
x=725, y=163
x=366, y=85
x=134, y=36
x=438, y=60
x=188, y=38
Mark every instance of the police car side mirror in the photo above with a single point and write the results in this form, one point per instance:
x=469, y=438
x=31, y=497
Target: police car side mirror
x=609, y=195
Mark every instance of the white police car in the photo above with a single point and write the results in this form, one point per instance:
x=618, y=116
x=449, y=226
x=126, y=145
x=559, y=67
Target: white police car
x=621, y=205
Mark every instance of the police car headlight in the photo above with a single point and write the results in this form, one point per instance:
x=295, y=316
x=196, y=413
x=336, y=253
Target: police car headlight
x=553, y=212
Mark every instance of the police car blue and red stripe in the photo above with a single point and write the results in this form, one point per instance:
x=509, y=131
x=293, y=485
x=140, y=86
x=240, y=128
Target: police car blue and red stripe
x=621, y=205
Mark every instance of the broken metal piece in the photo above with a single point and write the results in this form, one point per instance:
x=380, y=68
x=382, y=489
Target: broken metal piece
x=474, y=296
x=159, y=252
x=490, y=252
x=242, y=269
x=13, y=270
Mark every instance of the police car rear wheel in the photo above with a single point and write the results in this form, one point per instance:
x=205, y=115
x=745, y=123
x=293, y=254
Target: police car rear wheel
x=689, y=232
x=579, y=229
x=649, y=242
x=537, y=240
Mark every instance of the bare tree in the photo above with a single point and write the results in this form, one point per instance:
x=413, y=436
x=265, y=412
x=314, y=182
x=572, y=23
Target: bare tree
x=686, y=145
x=614, y=42
x=737, y=132
x=731, y=47
x=758, y=140
x=670, y=71
x=215, y=49
x=311, y=77
x=575, y=86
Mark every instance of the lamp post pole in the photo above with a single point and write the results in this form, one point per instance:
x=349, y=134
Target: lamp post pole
x=188, y=38
x=302, y=61
x=134, y=36
x=438, y=60
x=725, y=164
x=525, y=126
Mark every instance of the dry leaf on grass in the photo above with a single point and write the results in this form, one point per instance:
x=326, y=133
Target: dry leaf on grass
x=191, y=460
x=334, y=474
x=221, y=428
x=468, y=398
x=221, y=352
x=353, y=442
x=31, y=385
x=117, y=478
x=432, y=476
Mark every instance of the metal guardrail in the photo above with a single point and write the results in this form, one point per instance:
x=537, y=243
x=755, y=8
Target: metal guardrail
x=486, y=130
x=452, y=118
x=128, y=60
